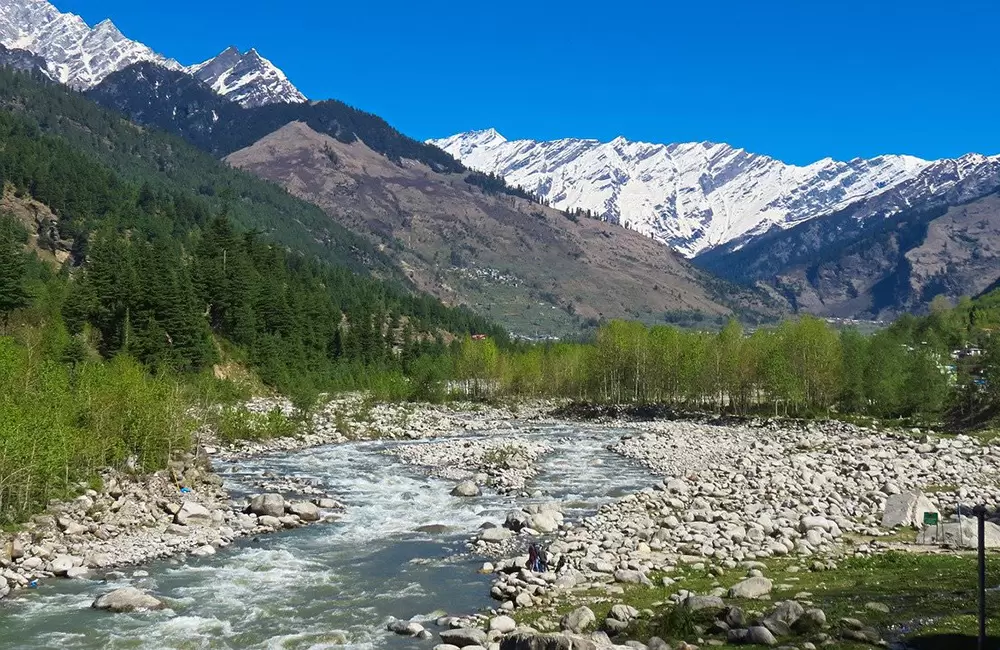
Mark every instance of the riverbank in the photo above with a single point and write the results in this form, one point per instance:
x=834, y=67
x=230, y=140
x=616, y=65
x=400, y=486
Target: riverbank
x=185, y=510
x=752, y=503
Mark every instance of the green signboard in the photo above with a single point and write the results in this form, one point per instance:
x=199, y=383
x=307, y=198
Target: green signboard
x=930, y=518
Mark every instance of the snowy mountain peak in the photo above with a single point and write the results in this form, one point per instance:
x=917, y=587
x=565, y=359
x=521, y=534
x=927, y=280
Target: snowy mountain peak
x=82, y=57
x=248, y=79
x=75, y=54
x=697, y=196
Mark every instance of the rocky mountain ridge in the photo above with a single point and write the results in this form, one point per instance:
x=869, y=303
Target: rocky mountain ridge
x=696, y=197
x=82, y=57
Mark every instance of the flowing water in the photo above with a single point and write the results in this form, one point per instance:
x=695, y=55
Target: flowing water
x=399, y=551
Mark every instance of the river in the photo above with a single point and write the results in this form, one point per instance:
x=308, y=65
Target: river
x=399, y=551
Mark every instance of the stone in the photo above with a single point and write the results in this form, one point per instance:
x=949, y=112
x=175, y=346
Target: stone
x=304, y=510
x=270, y=505
x=405, y=628
x=127, y=599
x=733, y=617
x=751, y=588
x=466, y=489
x=760, y=635
x=906, y=509
x=267, y=521
x=524, y=599
x=877, y=607
x=516, y=520
x=203, y=551
x=696, y=603
x=629, y=576
x=464, y=636
x=811, y=621
x=503, y=624
x=656, y=643
x=77, y=573
x=543, y=522
x=193, y=513
x=63, y=563
x=578, y=621
x=623, y=613
x=494, y=535
x=614, y=627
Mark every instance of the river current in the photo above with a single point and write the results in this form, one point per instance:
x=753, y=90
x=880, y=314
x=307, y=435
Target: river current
x=399, y=551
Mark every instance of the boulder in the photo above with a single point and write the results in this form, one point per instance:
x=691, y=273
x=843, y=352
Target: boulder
x=61, y=564
x=405, y=628
x=578, y=621
x=464, y=636
x=760, y=635
x=127, y=599
x=784, y=616
x=543, y=522
x=906, y=509
x=629, y=576
x=203, y=551
x=494, y=535
x=751, y=588
x=624, y=613
x=304, y=510
x=696, y=603
x=811, y=621
x=516, y=520
x=193, y=513
x=77, y=572
x=267, y=521
x=503, y=624
x=533, y=641
x=466, y=489
x=270, y=505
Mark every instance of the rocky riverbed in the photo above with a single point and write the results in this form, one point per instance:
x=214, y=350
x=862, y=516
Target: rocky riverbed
x=731, y=496
x=504, y=463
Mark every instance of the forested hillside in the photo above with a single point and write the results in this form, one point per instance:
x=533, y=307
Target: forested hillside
x=165, y=163
x=160, y=261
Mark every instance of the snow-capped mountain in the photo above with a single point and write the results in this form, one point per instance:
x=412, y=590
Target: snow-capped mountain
x=81, y=56
x=697, y=196
x=76, y=54
x=247, y=79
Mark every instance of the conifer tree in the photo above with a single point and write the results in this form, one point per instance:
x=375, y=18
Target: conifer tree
x=13, y=295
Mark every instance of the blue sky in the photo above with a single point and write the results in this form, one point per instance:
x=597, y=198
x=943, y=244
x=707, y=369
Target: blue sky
x=796, y=79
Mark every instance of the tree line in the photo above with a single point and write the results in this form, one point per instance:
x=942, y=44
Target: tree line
x=945, y=365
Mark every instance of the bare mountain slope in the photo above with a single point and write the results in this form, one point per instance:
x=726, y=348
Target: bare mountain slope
x=525, y=265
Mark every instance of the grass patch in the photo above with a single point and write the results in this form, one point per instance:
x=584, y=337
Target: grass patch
x=927, y=595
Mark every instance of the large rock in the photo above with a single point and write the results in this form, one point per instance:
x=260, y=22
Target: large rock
x=503, y=624
x=464, y=636
x=304, y=510
x=696, y=603
x=578, y=621
x=965, y=535
x=543, y=522
x=269, y=505
x=193, y=513
x=751, y=588
x=811, y=620
x=628, y=576
x=906, y=509
x=61, y=564
x=516, y=520
x=127, y=599
x=466, y=489
x=494, y=535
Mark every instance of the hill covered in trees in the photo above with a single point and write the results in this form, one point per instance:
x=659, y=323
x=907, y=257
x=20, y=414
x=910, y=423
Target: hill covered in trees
x=171, y=251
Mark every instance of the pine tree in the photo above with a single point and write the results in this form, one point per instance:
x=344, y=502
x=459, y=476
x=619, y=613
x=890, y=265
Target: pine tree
x=13, y=295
